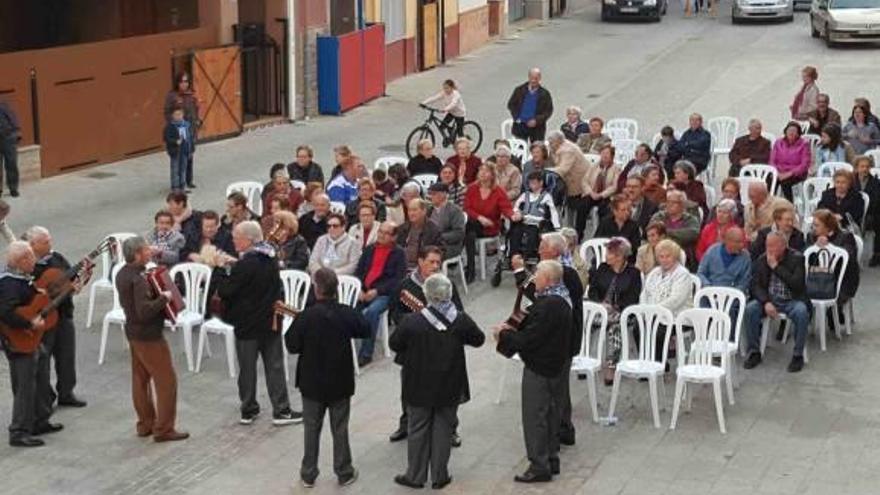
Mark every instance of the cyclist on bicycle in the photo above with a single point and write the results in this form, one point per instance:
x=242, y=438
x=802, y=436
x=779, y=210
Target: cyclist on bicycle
x=452, y=104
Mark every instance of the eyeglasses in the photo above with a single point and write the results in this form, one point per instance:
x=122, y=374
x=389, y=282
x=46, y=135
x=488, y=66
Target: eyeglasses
x=334, y=225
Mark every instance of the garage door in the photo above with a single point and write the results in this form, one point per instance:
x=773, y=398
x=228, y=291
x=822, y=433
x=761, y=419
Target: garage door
x=516, y=10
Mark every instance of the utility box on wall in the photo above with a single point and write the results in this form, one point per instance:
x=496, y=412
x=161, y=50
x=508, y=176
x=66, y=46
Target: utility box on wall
x=351, y=69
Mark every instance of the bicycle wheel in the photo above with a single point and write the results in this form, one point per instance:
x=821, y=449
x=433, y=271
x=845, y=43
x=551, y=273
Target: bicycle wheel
x=417, y=134
x=474, y=133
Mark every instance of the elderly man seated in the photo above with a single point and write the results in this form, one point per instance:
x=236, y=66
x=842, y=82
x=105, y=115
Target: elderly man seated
x=417, y=232
x=759, y=211
x=777, y=287
x=727, y=263
x=751, y=149
x=449, y=219
x=695, y=144
x=398, y=212
x=681, y=226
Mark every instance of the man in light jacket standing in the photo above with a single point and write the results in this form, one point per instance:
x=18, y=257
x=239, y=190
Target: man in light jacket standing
x=572, y=166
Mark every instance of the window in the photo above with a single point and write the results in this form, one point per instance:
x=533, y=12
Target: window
x=394, y=17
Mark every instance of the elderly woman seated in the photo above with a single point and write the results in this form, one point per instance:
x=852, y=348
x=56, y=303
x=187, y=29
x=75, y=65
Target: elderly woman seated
x=292, y=251
x=281, y=187
x=669, y=285
x=784, y=220
x=843, y=200
x=335, y=250
x=724, y=219
x=615, y=284
x=684, y=179
x=646, y=258
x=572, y=256
x=827, y=230
x=681, y=226
x=654, y=189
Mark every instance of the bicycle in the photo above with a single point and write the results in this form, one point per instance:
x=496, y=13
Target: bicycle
x=469, y=129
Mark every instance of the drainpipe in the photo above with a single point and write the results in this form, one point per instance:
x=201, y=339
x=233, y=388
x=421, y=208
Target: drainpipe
x=291, y=61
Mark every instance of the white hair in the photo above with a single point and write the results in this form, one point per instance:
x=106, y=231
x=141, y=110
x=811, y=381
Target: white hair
x=502, y=151
x=320, y=196
x=250, y=230
x=552, y=269
x=726, y=204
x=676, y=194
x=555, y=136
x=411, y=187
x=556, y=241
x=281, y=172
x=574, y=109
x=16, y=251
x=438, y=289
x=35, y=232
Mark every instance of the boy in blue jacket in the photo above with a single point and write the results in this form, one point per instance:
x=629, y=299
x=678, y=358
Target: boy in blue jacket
x=178, y=143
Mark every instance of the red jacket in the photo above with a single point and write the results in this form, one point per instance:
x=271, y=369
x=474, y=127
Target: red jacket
x=471, y=166
x=493, y=207
x=710, y=235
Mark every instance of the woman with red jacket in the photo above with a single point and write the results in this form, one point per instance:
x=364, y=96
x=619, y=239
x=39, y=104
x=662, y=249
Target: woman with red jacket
x=464, y=161
x=484, y=203
x=713, y=232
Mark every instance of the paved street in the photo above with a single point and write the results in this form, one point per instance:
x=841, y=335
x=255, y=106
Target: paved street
x=817, y=432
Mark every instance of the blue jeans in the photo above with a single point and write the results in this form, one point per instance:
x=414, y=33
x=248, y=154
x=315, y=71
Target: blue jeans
x=178, y=171
x=798, y=314
x=372, y=311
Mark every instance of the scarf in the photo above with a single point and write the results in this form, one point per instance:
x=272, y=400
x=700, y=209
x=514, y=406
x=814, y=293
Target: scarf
x=263, y=248
x=555, y=290
x=567, y=259
x=447, y=309
x=798, y=101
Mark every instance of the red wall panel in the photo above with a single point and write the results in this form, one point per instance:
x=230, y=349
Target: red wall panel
x=374, y=62
x=351, y=71
x=395, y=60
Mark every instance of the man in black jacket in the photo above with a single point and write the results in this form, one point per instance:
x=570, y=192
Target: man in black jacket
x=530, y=105
x=304, y=169
x=29, y=371
x=60, y=343
x=322, y=336
x=542, y=341
x=778, y=287
x=10, y=135
x=249, y=293
x=430, y=261
x=552, y=247
x=381, y=267
x=642, y=208
x=435, y=381
x=313, y=224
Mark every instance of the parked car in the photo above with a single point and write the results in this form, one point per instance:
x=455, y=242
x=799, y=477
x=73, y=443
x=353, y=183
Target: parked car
x=762, y=9
x=634, y=9
x=845, y=21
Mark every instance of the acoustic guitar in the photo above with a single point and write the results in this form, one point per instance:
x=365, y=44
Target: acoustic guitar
x=54, y=286
x=412, y=302
x=282, y=309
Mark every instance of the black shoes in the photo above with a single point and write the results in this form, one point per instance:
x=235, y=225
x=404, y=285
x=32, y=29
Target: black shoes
x=554, y=466
x=398, y=435
x=26, y=442
x=71, y=401
x=530, y=477
x=455, y=441
x=796, y=364
x=404, y=481
x=248, y=418
x=753, y=360
x=191, y=186
x=363, y=361
x=567, y=438
x=347, y=480
x=439, y=485
x=287, y=417
x=46, y=428
x=14, y=194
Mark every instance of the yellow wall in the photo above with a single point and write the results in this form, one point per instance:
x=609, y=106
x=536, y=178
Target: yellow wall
x=411, y=18
x=373, y=10
x=450, y=14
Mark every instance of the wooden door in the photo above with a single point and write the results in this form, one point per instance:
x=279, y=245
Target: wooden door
x=217, y=80
x=430, y=36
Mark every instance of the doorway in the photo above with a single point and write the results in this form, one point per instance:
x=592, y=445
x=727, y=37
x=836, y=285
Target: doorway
x=430, y=40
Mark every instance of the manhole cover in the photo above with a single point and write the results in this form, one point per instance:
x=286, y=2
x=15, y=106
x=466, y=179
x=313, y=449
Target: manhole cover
x=391, y=148
x=100, y=175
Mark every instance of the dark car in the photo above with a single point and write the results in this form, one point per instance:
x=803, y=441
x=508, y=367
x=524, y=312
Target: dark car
x=633, y=9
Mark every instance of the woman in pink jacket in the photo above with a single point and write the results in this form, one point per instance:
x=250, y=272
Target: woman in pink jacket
x=791, y=156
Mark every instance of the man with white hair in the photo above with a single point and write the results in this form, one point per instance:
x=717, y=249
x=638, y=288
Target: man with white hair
x=553, y=246
x=571, y=164
x=696, y=143
x=435, y=380
x=542, y=342
x=759, y=210
x=507, y=176
x=313, y=224
x=751, y=149
x=28, y=370
x=681, y=226
x=530, y=105
x=60, y=343
x=249, y=292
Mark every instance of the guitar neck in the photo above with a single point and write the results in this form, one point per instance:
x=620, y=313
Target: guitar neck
x=54, y=303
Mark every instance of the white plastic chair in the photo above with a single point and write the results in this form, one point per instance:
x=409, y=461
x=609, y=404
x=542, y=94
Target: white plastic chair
x=724, y=131
x=296, y=290
x=386, y=162
x=424, y=181
x=104, y=282
x=616, y=135
x=252, y=191
x=723, y=299
x=348, y=291
x=196, y=280
x=834, y=259
x=587, y=362
x=630, y=126
x=116, y=315
x=337, y=207
x=655, y=140
x=298, y=185
x=827, y=169
x=711, y=195
x=648, y=318
x=744, y=188
x=711, y=329
x=456, y=261
x=507, y=129
x=812, y=193
x=762, y=172
x=874, y=155
x=519, y=149
x=625, y=150
x=848, y=310
x=814, y=140
x=594, y=249
x=867, y=200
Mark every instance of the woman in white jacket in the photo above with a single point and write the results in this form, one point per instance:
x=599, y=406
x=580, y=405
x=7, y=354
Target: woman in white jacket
x=669, y=284
x=335, y=250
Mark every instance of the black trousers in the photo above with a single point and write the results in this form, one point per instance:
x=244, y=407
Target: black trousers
x=566, y=427
x=787, y=185
x=583, y=208
x=524, y=239
x=9, y=157
x=473, y=230
x=313, y=422
x=269, y=348
x=429, y=443
x=540, y=419
x=29, y=376
x=522, y=131
x=459, y=124
x=64, y=353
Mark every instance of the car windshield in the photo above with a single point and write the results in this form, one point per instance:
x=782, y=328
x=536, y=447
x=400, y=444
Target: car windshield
x=855, y=4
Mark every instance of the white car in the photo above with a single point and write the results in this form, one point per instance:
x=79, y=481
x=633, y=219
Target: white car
x=845, y=21
x=762, y=9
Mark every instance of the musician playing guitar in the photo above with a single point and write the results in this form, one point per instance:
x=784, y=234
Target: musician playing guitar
x=552, y=247
x=61, y=342
x=29, y=371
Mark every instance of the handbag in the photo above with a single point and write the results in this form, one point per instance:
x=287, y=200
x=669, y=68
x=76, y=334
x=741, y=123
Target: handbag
x=821, y=281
